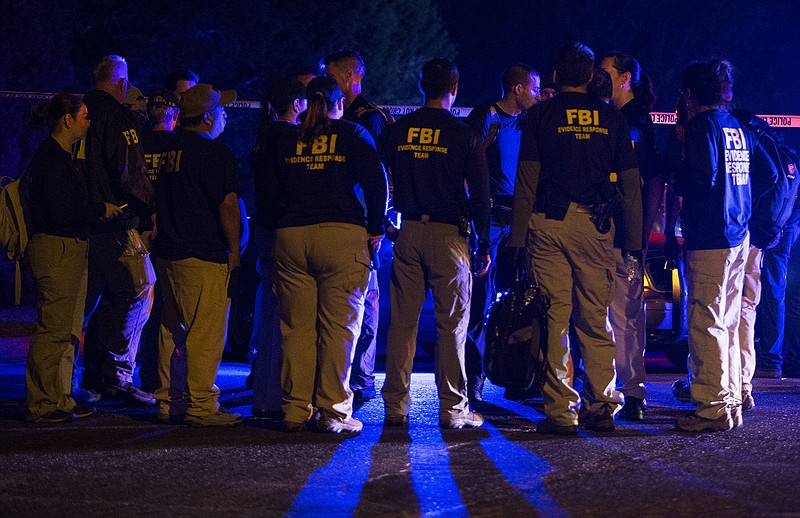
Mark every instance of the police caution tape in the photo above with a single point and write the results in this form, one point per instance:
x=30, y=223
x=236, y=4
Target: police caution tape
x=776, y=121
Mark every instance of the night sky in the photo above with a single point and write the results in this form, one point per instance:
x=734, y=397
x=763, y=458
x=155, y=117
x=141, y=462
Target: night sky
x=250, y=43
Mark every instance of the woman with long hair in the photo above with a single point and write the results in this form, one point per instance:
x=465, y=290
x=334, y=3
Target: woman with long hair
x=60, y=215
x=323, y=242
x=632, y=94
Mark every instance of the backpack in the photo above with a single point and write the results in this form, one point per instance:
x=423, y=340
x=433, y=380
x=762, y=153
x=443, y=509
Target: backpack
x=13, y=230
x=516, y=336
x=388, y=118
x=772, y=210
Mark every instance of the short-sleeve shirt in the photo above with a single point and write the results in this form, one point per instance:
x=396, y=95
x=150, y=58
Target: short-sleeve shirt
x=188, y=195
x=502, y=154
x=579, y=140
x=159, y=150
x=429, y=154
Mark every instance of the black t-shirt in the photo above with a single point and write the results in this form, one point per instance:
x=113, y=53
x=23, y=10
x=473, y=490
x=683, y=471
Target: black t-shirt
x=643, y=137
x=58, y=197
x=311, y=184
x=188, y=195
x=265, y=181
x=365, y=113
x=501, y=154
x=159, y=151
x=579, y=140
x=429, y=154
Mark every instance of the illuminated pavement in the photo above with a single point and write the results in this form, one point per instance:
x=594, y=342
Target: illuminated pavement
x=123, y=463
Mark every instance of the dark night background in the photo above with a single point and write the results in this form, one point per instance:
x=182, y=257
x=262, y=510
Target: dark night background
x=52, y=46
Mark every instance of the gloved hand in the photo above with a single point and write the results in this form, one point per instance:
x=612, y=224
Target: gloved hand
x=633, y=265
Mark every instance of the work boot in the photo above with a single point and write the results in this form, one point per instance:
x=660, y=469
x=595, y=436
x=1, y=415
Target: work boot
x=548, y=427
x=129, y=392
x=695, y=423
x=602, y=421
x=395, y=421
x=475, y=389
x=219, y=418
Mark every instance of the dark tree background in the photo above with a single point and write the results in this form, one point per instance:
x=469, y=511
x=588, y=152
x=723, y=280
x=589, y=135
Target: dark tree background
x=51, y=46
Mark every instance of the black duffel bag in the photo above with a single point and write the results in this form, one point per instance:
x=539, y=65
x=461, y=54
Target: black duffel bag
x=516, y=336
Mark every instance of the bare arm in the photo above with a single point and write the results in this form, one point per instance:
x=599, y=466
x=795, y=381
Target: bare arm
x=230, y=219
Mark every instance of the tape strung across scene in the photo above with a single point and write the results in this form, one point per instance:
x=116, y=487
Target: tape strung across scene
x=776, y=121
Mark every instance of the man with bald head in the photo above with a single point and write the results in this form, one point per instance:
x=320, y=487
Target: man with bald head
x=121, y=276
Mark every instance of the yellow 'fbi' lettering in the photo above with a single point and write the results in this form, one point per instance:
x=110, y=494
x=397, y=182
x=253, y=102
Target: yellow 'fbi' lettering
x=583, y=117
x=320, y=145
x=423, y=135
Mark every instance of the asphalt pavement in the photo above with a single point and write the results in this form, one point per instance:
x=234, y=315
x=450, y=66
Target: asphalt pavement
x=122, y=462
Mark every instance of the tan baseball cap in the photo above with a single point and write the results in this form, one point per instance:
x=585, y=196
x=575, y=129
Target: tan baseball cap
x=202, y=98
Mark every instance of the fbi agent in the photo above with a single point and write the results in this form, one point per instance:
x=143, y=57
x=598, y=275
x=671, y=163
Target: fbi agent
x=570, y=145
x=430, y=154
x=323, y=243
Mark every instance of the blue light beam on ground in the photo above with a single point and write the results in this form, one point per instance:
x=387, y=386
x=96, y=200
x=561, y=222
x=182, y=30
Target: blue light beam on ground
x=523, y=470
x=433, y=480
x=335, y=489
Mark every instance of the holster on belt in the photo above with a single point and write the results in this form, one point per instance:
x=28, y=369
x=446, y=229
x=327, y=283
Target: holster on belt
x=601, y=212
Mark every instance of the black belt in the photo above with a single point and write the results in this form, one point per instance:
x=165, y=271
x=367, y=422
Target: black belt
x=424, y=218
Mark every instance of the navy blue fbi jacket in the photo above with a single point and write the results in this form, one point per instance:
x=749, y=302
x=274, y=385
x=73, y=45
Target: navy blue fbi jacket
x=429, y=154
x=721, y=160
x=113, y=158
x=315, y=183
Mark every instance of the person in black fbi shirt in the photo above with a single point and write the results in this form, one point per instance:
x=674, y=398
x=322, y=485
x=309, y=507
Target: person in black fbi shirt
x=59, y=217
x=159, y=151
x=429, y=154
x=197, y=250
x=570, y=146
x=324, y=239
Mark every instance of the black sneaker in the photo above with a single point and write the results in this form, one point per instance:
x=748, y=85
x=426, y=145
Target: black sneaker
x=127, y=391
x=363, y=395
x=82, y=411
x=52, y=417
x=475, y=389
x=395, y=421
x=547, y=427
x=272, y=415
x=633, y=409
x=681, y=391
x=600, y=422
x=292, y=427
